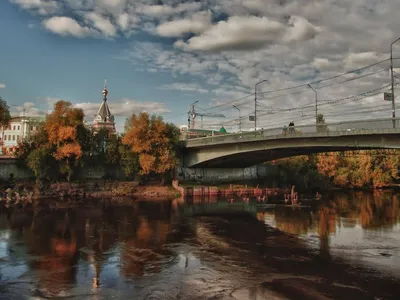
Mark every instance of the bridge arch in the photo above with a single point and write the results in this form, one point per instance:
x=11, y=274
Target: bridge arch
x=241, y=154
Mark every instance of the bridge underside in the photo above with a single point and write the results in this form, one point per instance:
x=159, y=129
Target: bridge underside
x=242, y=155
x=248, y=159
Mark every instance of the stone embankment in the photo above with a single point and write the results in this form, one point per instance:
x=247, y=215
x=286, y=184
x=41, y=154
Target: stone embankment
x=240, y=191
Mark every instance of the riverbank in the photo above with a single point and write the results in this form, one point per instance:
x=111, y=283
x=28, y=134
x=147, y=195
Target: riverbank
x=88, y=189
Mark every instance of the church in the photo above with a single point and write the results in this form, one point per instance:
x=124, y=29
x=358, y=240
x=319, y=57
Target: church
x=104, y=119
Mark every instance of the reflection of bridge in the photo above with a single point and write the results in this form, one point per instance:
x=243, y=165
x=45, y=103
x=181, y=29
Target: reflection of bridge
x=251, y=148
x=218, y=207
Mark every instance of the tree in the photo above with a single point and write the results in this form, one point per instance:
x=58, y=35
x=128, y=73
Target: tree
x=321, y=127
x=62, y=127
x=37, y=161
x=4, y=113
x=129, y=161
x=155, y=143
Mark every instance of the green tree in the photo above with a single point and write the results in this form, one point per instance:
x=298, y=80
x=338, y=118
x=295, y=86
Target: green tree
x=321, y=127
x=129, y=161
x=5, y=116
x=39, y=161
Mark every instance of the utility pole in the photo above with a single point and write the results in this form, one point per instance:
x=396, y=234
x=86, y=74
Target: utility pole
x=255, y=103
x=192, y=113
x=316, y=103
x=392, y=79
x=240, y=118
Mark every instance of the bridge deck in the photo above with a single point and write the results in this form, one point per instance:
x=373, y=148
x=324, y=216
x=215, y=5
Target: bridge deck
x=356, y=128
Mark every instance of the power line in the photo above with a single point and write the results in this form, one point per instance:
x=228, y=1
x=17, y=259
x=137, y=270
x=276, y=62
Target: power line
x=326, y=79
x=305, y=85
x=324, y=102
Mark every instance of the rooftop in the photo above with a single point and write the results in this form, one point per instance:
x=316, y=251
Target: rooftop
x=30, y=118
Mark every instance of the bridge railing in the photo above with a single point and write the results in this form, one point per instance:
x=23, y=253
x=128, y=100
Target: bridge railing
x=332, y=129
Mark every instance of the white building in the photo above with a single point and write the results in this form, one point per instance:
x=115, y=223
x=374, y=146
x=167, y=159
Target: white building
x=18, y=129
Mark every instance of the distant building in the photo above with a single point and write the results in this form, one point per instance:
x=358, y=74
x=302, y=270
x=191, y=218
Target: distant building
x=104, y=119
x=18, y=129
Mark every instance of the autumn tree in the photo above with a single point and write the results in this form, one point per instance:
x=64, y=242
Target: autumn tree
x=63, y=126
x=155, y=141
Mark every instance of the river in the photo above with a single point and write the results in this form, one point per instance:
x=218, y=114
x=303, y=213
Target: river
x=344, y=246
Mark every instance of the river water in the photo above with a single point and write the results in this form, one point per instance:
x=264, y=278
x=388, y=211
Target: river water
x=344, y=246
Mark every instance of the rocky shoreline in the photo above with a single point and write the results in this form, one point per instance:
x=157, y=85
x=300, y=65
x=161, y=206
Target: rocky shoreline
x=24, y=193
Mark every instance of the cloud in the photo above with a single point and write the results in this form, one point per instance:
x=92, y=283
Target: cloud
x=356, y=60
x=290, y=43
x=123, y=108
x=103, y=24
x=249, y=33
x=167, y=10
x=2, y=85
x=28, y=109
x=43, y=7
x=198, y=23
x=184, y=87
x=66, y=26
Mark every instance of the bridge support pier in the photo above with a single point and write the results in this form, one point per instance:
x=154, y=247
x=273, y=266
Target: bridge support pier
x=221, y=175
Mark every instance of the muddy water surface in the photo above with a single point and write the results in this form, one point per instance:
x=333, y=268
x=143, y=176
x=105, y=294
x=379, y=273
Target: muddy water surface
x=346, y=246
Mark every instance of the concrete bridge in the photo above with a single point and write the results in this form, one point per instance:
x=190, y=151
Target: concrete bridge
x=240, y=150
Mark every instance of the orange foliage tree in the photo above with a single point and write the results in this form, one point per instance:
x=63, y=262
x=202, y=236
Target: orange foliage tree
x=62, y=127
x=155, y=141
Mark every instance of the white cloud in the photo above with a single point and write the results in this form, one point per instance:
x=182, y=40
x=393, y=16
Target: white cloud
x=2, y=85
x=356, y=60
x=123, y=108
x=28, y=109
x=127, y=22
x=102, y=24
x=43, y=7
x=184, y=87
x=166, y=10
x=66, y=26
x=238, y=33
x=198, y=23
x=249, y=33
x=241, y=42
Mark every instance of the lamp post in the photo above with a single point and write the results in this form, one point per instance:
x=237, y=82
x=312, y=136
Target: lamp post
x=316, y=103
x=240, y=118
x=191, y=111
x=392, y=79
x=255, y=103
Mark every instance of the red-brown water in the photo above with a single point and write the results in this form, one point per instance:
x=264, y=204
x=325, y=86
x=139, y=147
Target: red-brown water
x=346, y=246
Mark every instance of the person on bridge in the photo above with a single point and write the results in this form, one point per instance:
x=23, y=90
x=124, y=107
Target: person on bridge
x=284, y=131
x=291, y=127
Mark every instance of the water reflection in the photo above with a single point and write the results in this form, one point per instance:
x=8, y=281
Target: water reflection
x=190, y=247
x=344, y=222
x=371, y=211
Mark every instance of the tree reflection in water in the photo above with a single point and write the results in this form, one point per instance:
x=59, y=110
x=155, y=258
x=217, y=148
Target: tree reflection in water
x=59, y=239
x=80, y=249
x=371, y=211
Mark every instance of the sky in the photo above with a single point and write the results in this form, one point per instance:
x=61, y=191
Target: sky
x=160, y=56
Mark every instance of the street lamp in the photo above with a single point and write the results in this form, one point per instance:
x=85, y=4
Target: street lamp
x=391, y=70
x=191, y=111
x=255, y=103
x=240, y=118
x=316, y=103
